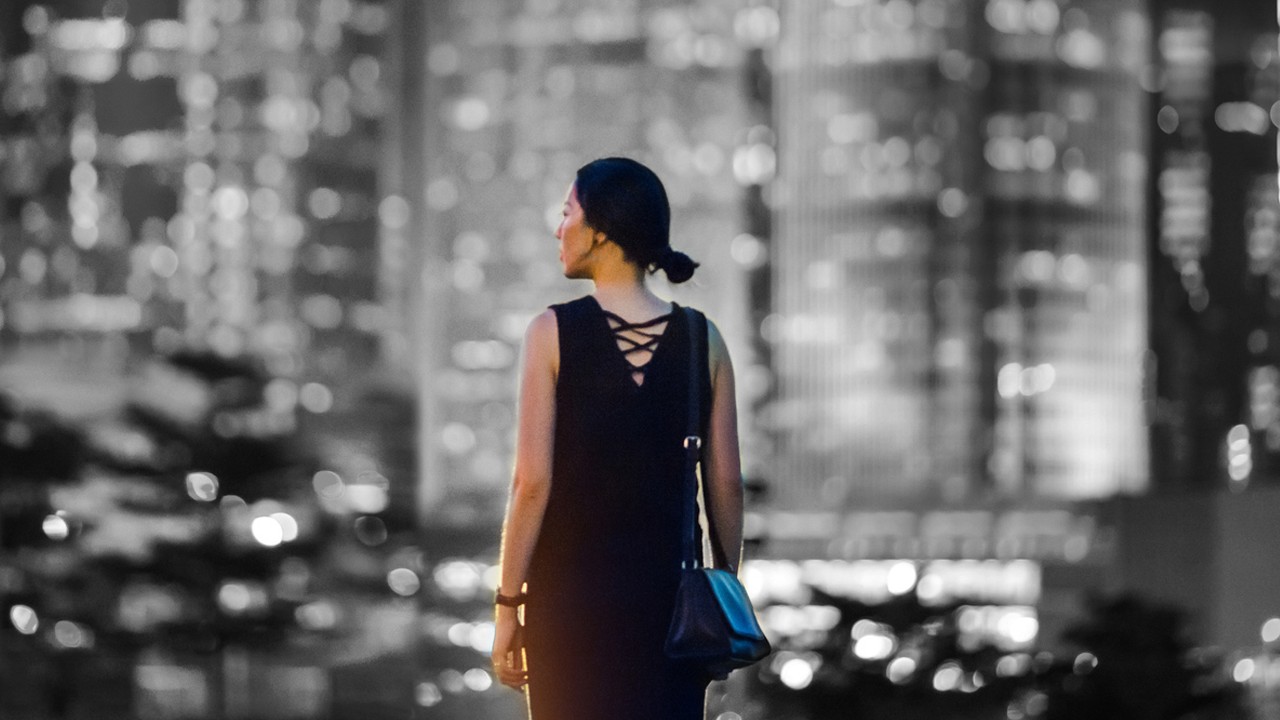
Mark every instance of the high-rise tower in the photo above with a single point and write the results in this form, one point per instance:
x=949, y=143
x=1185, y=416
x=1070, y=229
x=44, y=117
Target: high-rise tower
x=960, y=259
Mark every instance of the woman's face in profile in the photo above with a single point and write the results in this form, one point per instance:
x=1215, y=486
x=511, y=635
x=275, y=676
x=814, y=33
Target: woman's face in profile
x=575, y=237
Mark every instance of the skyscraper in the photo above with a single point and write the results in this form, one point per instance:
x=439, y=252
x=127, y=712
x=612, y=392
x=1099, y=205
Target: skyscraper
x=218, y=188
x=1214, y=287
x=959, y=273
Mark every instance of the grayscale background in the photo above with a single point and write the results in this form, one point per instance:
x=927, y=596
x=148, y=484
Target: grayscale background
x=1001, y=281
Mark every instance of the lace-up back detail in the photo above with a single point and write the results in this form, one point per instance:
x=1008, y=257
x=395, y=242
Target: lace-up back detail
x=638, y=341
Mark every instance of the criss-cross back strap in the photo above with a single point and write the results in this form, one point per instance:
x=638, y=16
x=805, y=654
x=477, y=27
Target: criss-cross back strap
x=637, y=337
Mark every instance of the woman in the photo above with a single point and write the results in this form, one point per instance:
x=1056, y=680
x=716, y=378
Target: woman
x=593, y=525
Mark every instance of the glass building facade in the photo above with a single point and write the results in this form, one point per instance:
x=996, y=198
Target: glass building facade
x=219, y=186
x=959, y=273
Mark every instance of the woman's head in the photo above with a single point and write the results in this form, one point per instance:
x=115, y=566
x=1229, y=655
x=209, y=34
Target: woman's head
x=625, y=201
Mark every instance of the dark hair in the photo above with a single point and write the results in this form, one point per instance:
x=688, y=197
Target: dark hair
x=626, y=201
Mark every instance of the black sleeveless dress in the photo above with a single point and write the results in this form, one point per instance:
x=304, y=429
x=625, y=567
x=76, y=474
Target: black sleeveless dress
x=605, y=567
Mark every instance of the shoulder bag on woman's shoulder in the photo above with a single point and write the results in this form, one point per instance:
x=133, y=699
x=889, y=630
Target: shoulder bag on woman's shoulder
x=714, y=626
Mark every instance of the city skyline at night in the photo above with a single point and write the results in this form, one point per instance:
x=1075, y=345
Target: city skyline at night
x=1000, y=280
x=913, y=242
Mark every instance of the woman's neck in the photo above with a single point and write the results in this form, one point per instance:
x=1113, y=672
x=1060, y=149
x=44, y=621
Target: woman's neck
x=628, y=296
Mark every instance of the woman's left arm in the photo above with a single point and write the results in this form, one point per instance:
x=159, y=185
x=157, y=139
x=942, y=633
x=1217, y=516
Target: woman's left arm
x=530, y=487
x=722, y=466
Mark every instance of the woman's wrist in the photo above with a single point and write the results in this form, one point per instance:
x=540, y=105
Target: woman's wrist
x=513, y=600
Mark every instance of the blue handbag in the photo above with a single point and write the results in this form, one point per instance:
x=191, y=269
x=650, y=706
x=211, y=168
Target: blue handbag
x=713, y=626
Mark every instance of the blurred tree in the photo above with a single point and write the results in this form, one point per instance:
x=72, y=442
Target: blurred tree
x=1136, y=664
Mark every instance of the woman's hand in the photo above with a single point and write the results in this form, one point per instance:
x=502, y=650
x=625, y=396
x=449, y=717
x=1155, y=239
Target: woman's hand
x=508, y=649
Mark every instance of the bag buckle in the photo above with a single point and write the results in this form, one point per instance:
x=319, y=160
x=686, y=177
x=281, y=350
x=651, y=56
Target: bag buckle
x=692, y=442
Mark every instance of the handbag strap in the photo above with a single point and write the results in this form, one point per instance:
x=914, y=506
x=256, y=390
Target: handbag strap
x=691, y=555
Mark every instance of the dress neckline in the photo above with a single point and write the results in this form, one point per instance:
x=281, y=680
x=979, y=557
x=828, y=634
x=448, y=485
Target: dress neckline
x=651, y=342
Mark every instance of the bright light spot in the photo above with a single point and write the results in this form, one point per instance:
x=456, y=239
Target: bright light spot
x=459, y=579
x=281, y=395
x=71, y=635
x=900, y=670
x=231, y=202
x=459, y=633
x=1041, y=153
x=729, y=715
x=233, y=503
x=1084, y=663
x=164, y=261
x=1239, y=460
x=757, y=26
x=953, y=202
x=403, y=581
x=1083, y=187
x=327, y=484
x=1243, y=671
x=234, y=597
x=56, y=528
x=844, y=129
x=1013, y=665
x=199, y=177
x=1239, y=470
x=394, y=212
x=367, y=498
x=754, y=164
x=874, y=647
x=1242, y=117
x=1238, y=439
x=267, y=531
x=319, y=615
x=202, y=486
x=1036, y=379
x=491, y=576
x=947, y=677
x=1009, y=380
x=471, y=113
x=1019, y=628
x=747, y=250
x=1043, y=16
x=929, y=588
x=796, y=673
x=457, y=438
x=1271, y=630
x=901, y=578
x=1006, y=16
x=1082, y=49
x=288, y=526
x=24, y=619
x=863, y=628
x=324, y=203
x=427, y=694
x=481, y=639
x=315, y=397
x=322, y=311
x=451, y=681
x=477, y=679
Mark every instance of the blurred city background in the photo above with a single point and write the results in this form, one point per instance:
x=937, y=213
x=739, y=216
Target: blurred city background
x=1001, y=279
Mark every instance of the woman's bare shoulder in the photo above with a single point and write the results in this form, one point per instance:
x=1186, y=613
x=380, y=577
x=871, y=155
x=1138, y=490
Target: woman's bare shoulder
x=716, y=347
x=542, y=325
x=541, y=339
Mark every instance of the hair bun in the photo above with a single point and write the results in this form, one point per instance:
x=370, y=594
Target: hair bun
x=678, y=266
